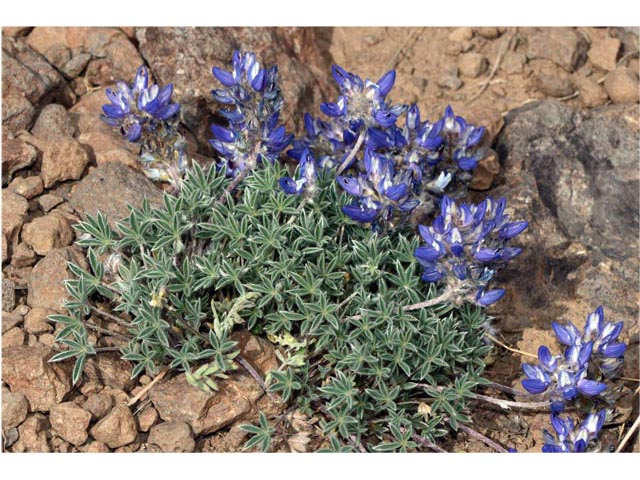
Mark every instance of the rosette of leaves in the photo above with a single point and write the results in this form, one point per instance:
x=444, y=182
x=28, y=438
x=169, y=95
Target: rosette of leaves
x=176, y=281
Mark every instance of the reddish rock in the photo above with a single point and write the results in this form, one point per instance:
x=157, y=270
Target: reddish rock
x=604, y=52
x=49, y=201
x=111, y=189
x=513, y=62
x=551, y=80
x=16, y=154
x=109, y=370
x=489, y=33
x=23, y=256
x=461, y=34
x=44, y=234
x=114, y=56
x=15, y=408
x=207, y=412
x=172, y=437
x=28, y=187
x=70, y=422
x=10, y=320
x=33, y=435
x=117, y=429
x=486, y=172
x=472, y=64
x=46, y=288
x=28, y=80
x=106, y=147
x=147, y=418
x=8, y=292
x=37, y=321
x=591, y=93
x=14, y=212
x=62, y=159
x=53, y=122
x=98, y=404
x=95, y=447
x=27, y=370
x=185, y=57
x=13, y=337
x=562, y=46
x=622, y=86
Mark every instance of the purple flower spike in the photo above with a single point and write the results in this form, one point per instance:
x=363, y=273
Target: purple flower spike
x=464, y=242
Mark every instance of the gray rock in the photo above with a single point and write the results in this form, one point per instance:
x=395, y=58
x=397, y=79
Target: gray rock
x=174, y=437
x=111, y=189
x=8, y=294
x=574, y=177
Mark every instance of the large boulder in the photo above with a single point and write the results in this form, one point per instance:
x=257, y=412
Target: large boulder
x=574, y=176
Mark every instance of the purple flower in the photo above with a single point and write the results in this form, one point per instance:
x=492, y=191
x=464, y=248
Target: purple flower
x=465, y=246
x=308, y=174
x=583, y=364
x=139, y=107
x=381, y=189
x=568, y=440
x=253, y=134
x=144, y=114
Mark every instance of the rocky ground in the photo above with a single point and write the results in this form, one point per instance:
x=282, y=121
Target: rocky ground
x=561, y=107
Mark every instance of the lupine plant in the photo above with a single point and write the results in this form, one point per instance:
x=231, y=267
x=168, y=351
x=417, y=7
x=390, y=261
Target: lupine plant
x=144, y=115
x=376, y=309
x=578, y=376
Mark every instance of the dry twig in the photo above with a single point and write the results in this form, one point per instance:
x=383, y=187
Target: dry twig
x=506, y=43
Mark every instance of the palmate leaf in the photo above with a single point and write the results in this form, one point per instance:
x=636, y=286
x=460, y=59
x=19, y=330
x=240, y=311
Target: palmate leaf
x=261, y=434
